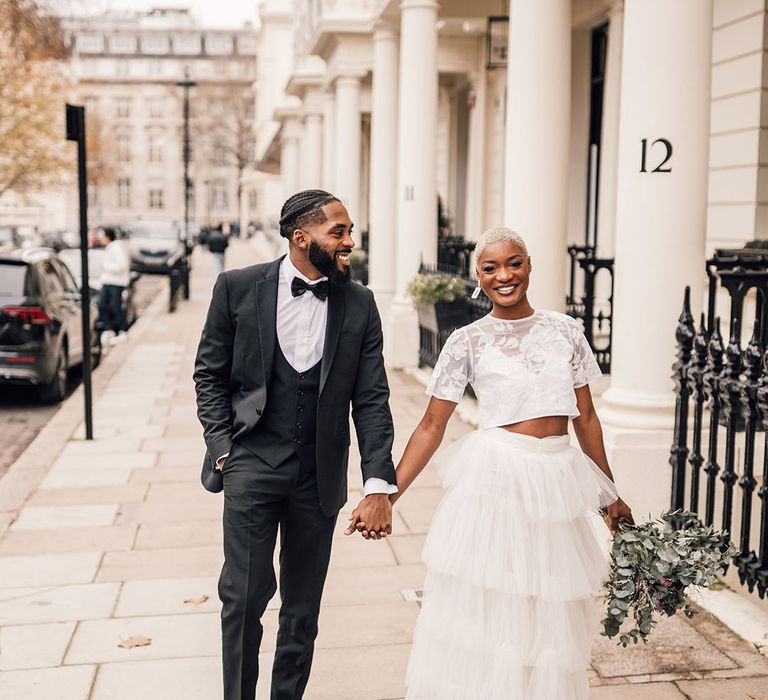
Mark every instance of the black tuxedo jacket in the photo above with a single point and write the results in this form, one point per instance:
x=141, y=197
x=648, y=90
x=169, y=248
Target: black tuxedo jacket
x=234, y=366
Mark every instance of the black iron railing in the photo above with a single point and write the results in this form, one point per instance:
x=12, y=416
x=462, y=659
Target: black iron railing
x=597, y=317
x=727, y=388
x=454, y=256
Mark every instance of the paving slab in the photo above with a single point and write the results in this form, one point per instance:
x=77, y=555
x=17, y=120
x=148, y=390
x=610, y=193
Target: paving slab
x=161, y=563
x=645, y=691
x=736, y=689
x=64, y=477
x=34, y=646
x=116, y=460
x=87, y=494
x=677, y=647
x=369, y=673
x=190, y=533
x=173, y=637
x=31, y=605
x=65, y=517
x=63, y=683
x=104, y=539
x=48, y=569
x=190, y=679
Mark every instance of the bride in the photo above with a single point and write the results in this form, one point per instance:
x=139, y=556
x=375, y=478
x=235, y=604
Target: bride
x=512, y=558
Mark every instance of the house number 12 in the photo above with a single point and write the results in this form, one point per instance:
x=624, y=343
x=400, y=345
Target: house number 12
x=644, y=157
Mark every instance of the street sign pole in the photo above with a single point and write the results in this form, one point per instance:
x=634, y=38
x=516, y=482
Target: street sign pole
x=76, y=132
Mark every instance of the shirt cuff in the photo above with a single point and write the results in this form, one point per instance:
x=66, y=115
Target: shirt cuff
x=220, y=461
x=375, y=485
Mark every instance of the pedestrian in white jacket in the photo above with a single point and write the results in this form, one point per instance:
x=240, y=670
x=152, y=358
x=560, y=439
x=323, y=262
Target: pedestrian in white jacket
x=115, y=277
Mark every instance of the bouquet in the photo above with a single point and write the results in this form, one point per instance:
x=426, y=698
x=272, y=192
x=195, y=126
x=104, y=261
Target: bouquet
x=652, y=566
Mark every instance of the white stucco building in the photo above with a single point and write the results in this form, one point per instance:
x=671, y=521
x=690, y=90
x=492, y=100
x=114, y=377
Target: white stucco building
x=126, y=66
x=637, y=126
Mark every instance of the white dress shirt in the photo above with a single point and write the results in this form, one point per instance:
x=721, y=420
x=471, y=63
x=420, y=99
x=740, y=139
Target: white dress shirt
x=301, y=323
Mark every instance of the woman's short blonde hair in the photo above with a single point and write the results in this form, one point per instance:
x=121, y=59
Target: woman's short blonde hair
x=494, y=235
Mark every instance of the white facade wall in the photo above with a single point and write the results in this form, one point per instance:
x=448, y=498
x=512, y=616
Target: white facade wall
x=738, y=160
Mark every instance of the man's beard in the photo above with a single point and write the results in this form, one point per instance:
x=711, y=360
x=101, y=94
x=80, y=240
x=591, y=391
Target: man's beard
x=327, y=266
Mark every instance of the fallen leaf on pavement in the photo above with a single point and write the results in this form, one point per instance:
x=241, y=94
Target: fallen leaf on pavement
x=196, y=601
x=135, y=641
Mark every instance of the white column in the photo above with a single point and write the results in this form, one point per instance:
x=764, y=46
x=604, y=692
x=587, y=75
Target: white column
x=609, y=157
x=381, y=242
x=346, y=155
x=329, y=139
x=311, y=154
x=660, y=232
x=417, y=190
x=473, y=221
x=289, y=156
x=660, y=216
x=537, y=140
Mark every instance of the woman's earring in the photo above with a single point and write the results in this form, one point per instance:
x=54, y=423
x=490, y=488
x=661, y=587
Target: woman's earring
x=476, y=292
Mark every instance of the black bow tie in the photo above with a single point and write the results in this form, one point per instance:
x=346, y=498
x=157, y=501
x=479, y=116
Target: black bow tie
x=319, y=289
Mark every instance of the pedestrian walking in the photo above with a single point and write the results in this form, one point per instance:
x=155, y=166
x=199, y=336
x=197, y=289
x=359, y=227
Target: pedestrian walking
x=217, y=244
x=513, y=559
x=287, y=347
x=115, y=277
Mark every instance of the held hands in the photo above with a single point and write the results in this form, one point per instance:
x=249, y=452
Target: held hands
x=372, y=518
x=617, y=512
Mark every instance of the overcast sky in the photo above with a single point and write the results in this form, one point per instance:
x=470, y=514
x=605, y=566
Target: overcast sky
x=211, y=13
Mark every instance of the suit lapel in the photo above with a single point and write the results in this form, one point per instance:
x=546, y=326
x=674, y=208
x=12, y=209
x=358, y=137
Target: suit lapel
x=266, y=309
x=336, y=303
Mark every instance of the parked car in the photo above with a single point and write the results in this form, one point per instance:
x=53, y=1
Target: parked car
x=40, y=322
x=71, y=258
x=156, y=246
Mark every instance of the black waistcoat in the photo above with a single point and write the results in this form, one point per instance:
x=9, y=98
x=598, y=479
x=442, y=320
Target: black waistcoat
x=289, y=422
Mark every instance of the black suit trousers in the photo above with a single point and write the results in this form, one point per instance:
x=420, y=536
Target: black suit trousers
x=258, y=501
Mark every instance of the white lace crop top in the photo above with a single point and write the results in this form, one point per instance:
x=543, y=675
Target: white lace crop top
x=521, y=369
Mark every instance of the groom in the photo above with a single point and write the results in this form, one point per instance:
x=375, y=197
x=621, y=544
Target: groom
x=286, y=348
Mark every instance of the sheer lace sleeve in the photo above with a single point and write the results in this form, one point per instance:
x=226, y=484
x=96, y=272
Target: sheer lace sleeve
x=584, y=366
x=453, y=370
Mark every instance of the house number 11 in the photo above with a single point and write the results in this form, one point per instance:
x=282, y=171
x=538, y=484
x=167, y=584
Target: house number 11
x=644, y=157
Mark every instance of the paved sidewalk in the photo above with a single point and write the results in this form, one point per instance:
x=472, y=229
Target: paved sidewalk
x=115, y=539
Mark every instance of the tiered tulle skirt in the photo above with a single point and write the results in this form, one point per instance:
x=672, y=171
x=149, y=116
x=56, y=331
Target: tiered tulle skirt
x=514, y=557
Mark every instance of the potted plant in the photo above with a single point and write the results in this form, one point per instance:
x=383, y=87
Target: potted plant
x=441, y=302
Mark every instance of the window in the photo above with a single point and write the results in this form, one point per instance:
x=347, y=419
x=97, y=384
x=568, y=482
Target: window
x=155, y=149
x=253, y=200
x=247, y=45
x=123, y=107
x=122, y=43
x=156, y=106
x=155, y=67
x=156, y=198
x=218, y=44
x=123, y=193
x=219, y=195
x=94, y=200
x=90, y=43
x=187, y=45
x=219, y=153
x=124, y=148
x=154, y=43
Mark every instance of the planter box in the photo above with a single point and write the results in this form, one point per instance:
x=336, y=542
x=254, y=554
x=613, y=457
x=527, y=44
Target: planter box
x=444, y=316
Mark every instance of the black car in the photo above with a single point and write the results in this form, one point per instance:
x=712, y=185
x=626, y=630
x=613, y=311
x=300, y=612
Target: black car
x=40, y=322
x=71, y=258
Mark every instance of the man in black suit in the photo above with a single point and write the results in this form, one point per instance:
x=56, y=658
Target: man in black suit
x=286, y=348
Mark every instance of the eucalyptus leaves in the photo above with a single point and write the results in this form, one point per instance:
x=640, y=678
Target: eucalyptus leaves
x=653, y=565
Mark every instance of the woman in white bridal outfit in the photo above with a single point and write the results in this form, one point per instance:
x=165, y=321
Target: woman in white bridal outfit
x=513, y=560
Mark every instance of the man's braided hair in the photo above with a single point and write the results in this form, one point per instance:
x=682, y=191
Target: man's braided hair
x=304, y=208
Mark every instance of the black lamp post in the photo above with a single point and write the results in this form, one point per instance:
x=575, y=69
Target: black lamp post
x=186, y=83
